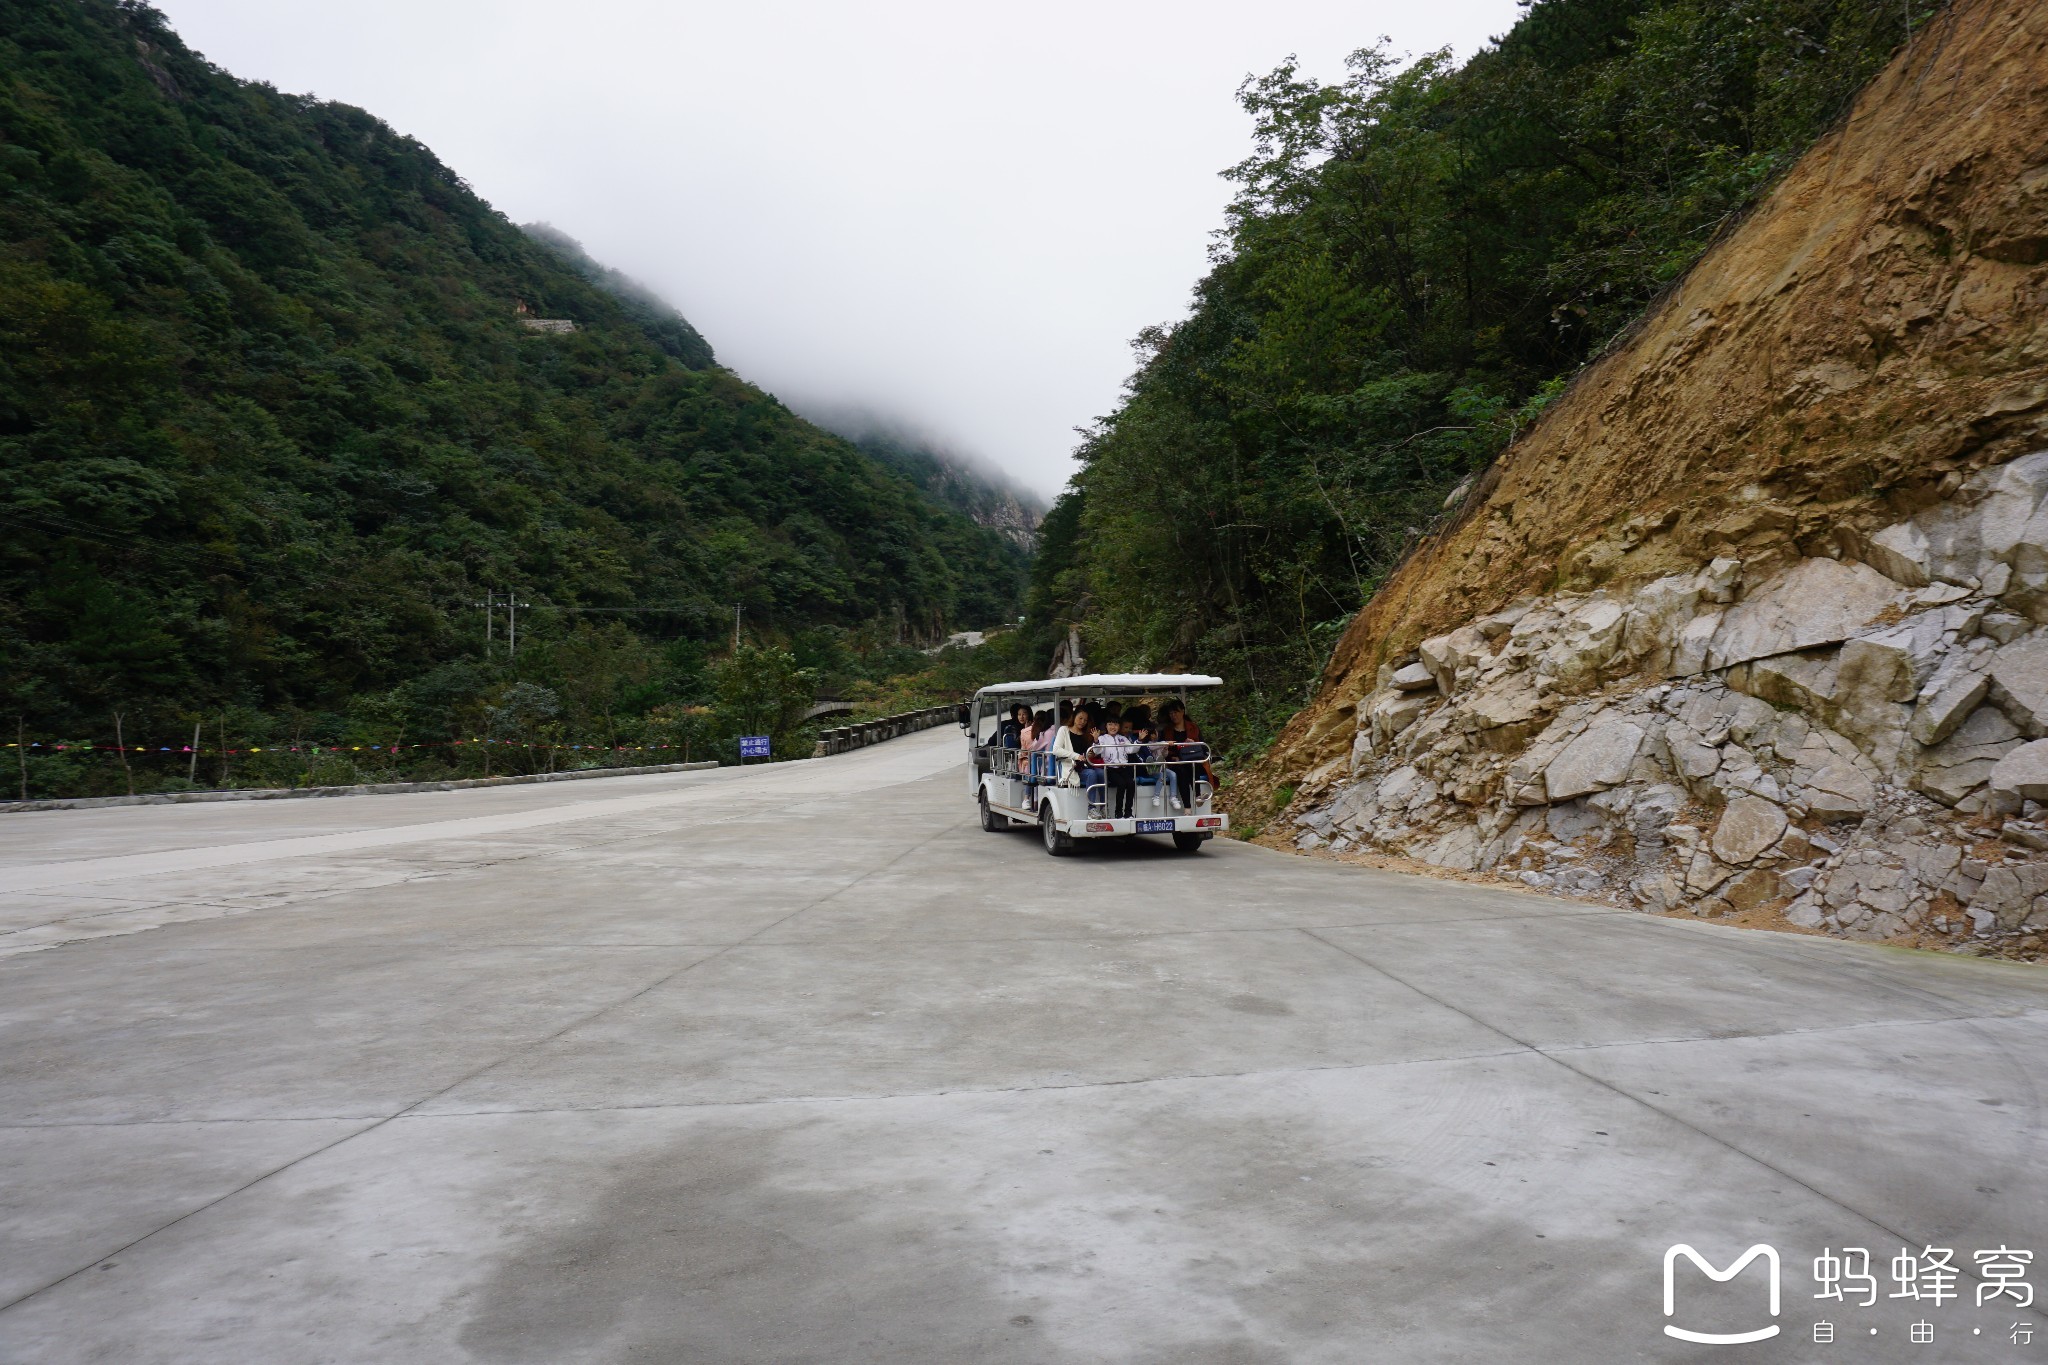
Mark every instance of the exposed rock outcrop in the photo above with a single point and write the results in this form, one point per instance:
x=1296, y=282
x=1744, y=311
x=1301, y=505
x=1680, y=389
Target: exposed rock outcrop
x=1755, y=622
x=1843, y=745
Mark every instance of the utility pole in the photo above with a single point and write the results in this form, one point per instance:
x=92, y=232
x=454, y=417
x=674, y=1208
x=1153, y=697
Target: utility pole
x=490, y=618
x=735, y=627
x=192, y=768
x=512, y=606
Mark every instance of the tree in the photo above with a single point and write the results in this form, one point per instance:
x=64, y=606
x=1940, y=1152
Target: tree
x=763, y=692
x=520, y=713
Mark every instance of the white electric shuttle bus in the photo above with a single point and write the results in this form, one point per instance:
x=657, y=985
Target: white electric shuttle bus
x=1103, y=790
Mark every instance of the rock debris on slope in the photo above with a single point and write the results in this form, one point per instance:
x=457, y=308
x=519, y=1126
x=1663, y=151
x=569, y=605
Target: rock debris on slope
x=1854, y=745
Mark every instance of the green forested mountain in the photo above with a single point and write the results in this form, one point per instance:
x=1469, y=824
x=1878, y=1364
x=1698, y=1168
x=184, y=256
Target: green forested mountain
x=1002, y=511
x=270, y=428
x=1416, y=259
x=656, y=316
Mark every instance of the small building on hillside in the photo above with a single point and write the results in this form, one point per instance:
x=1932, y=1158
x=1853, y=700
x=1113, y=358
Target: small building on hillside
x=534, y=324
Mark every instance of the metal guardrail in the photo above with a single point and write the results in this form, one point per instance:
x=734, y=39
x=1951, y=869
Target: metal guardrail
x=1161, y=759
x=453, y=784
x=849, y=737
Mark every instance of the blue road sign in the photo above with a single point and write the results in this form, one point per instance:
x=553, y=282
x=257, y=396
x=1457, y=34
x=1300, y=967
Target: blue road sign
x=753, y=746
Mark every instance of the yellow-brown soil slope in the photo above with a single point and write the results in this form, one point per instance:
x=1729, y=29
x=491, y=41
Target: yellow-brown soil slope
x=1874, y=330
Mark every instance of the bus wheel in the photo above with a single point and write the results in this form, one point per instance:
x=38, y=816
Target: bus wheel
x=1057, y=844
x=990, y=821
x=1188, y=843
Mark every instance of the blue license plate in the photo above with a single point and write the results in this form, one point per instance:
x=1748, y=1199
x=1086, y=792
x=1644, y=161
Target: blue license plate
x=1155, y=827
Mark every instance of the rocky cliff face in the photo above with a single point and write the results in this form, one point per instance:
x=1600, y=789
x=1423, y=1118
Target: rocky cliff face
x=1755, y=623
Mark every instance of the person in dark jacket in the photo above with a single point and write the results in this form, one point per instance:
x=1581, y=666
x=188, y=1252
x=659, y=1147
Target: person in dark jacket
x=1012, y=732
x=1180, y=734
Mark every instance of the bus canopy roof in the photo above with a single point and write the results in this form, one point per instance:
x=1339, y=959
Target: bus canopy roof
x=1109, y=682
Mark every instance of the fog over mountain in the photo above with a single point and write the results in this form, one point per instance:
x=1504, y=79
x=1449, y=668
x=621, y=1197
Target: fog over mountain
x=953, y=215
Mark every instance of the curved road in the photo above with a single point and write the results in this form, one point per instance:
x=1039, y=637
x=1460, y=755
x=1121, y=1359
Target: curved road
x=795, y=1064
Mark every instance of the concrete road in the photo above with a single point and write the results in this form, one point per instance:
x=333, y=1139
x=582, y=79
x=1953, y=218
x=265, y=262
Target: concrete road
x=798, y=1065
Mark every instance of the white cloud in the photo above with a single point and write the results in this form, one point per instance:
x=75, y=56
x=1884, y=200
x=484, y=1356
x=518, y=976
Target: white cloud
x=957, y=214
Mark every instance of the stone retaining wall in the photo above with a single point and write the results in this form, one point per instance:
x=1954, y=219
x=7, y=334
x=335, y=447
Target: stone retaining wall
x=359, y=789
x=848, y=737
x=1854, y=745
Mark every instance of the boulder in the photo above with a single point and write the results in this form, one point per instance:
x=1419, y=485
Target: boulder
x=2023, y=772
x=1901, y=553
x=1815, y=602
x=1317, y=821
x=1805, y=681
x=1834, y=789
x=1907, y=655
x=1653, y=810
x=1941, y=594
x=1444, y=655
x=1398, y=787
x=1414, y=678
x=1948, y=699
x=1793, y=732
x=1392, y=712
x=2004, y=626
x=1960, y=764
x=1573, y=820
x=1586, y=643
x=1748, y=827
x=1824, y=749
x=1967, y=537
x=1502, y=621
x=1751, y=889
x=1657, y=618
x=2011, y=894
x=1692, y=757
x=1803, y=913
x=1874, y=678
x=1689, y=655
x=2010, y=516
x=1355, y=805
x=1598, y=759
x=1741, y=775
x=1752, y=722
x=1511, y=703
x=1718, y=581
x=2019, y=682
x=1458, y=849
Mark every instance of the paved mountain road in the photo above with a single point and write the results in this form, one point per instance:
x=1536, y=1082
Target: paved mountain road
x=797, y=1064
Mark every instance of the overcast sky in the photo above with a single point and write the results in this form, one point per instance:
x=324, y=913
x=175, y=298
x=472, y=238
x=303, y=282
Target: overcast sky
x=953, y=215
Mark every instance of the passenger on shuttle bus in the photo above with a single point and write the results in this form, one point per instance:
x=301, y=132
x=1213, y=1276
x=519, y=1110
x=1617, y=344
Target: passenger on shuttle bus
x=1013, y=726
x=1042, y=726
x=1114, y=748
x=1179, y=733
x=1069, y=745
x=1092, y=776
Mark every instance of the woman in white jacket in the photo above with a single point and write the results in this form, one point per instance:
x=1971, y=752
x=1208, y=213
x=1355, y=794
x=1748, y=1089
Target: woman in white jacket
x=1070, y=747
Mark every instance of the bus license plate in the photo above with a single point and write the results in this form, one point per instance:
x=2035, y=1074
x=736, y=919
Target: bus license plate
x=1155, y=827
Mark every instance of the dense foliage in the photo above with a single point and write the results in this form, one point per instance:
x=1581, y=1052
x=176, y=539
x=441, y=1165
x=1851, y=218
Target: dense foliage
x=271, y=429
x=1416, y=259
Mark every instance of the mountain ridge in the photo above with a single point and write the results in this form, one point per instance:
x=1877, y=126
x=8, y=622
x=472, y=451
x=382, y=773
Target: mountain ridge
x=271, y=430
